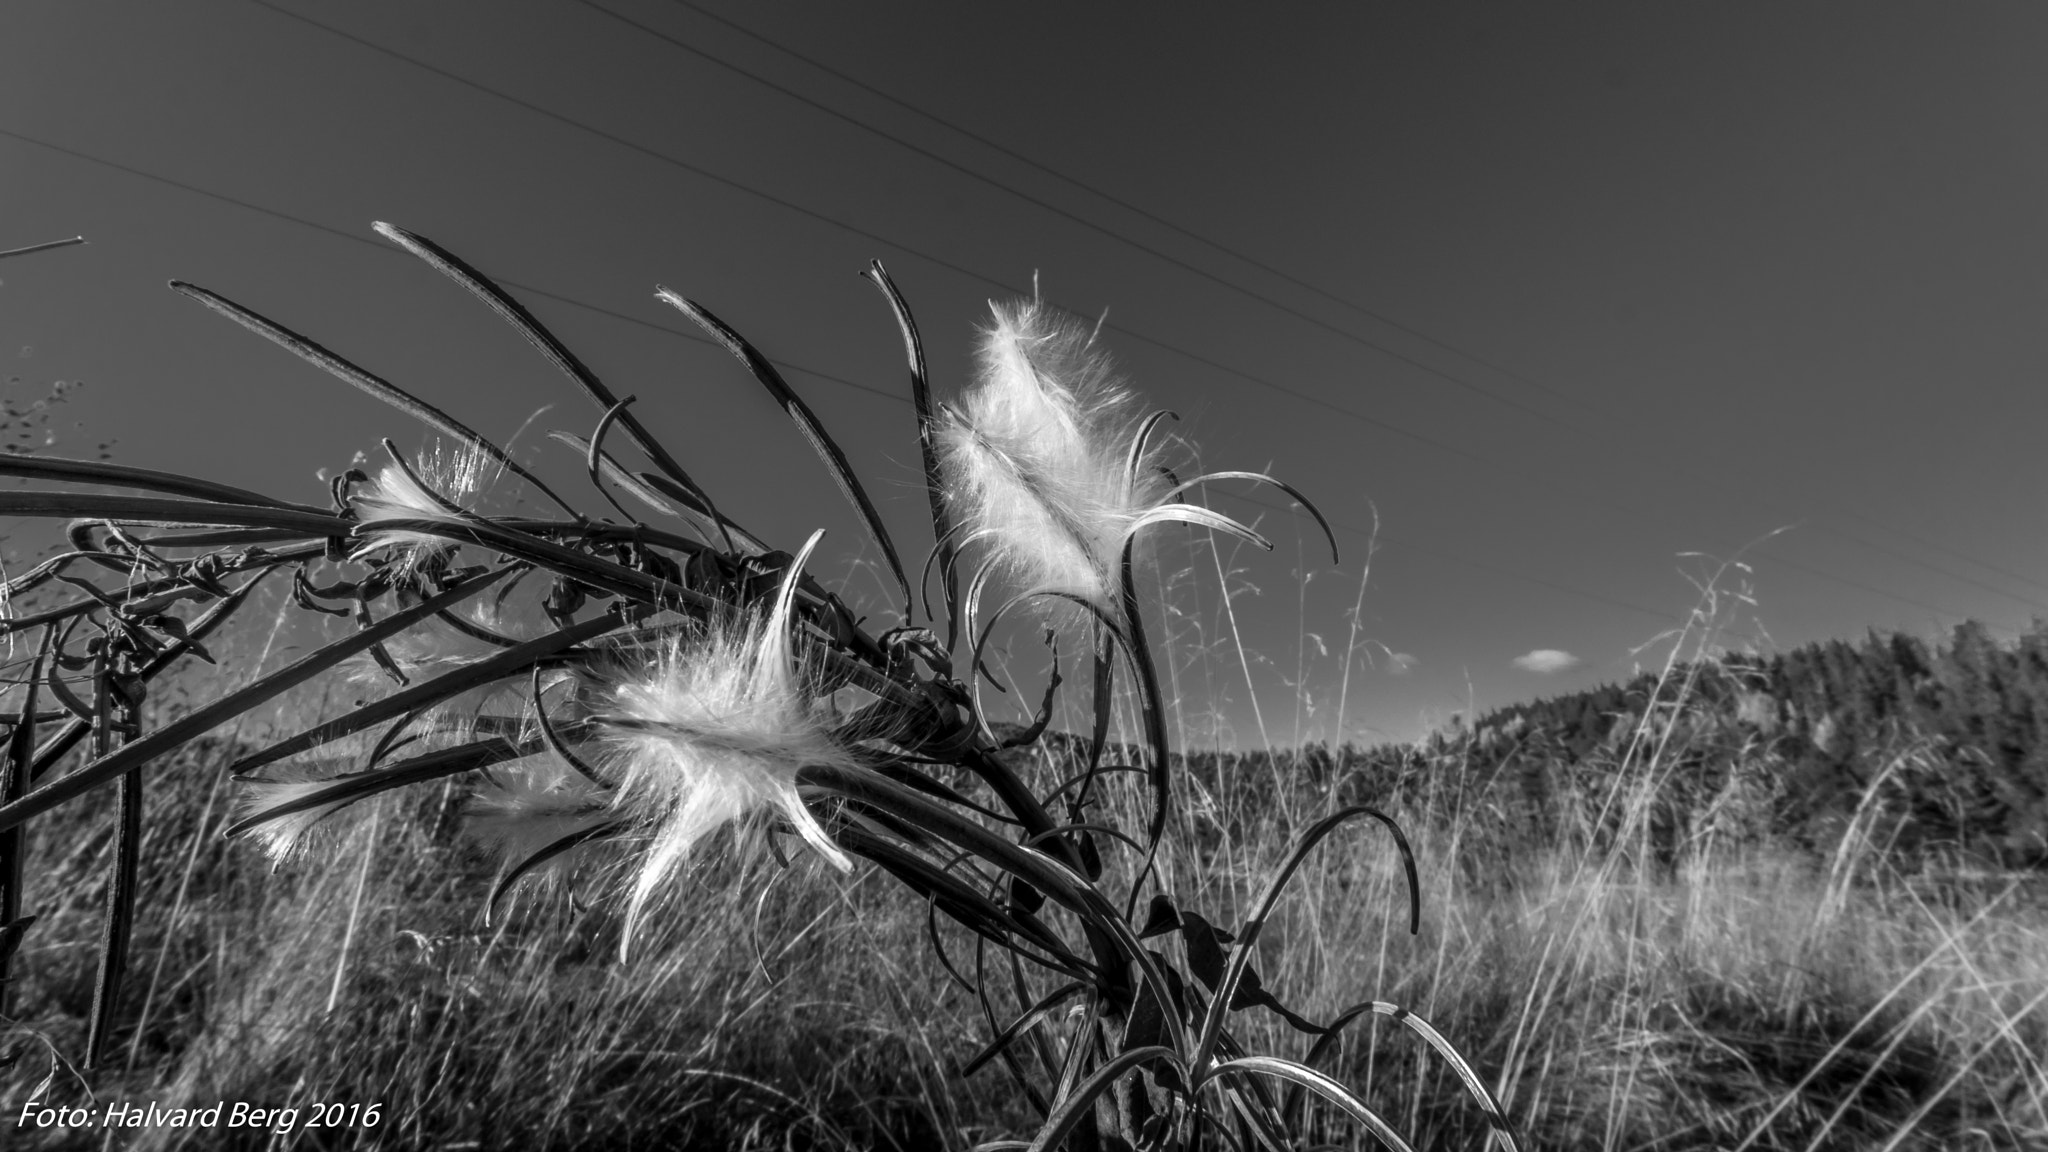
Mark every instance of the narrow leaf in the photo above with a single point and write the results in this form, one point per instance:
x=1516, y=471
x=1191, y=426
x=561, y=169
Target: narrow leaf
x=806, y=422
x=172, y=513
x=934, y=482
x=121, y=885
x=696, y=501
x=21, y=744
x=1322, y=1086
x=515, y=313
x=1496, y=1119
x=367, y=381
x=1032, y=1018
x=55, y=748
x=105, y=768
x=1200, y=517
x=1212, y=1026
x=506, y=663
x=547, y=852
x=350, y=787
x=1262, y=478
x=123, y=476
x=1081, y=1104
x=43, y=247
x=696, y=508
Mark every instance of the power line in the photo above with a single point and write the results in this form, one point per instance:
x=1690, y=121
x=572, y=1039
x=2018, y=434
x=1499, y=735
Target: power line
x=1238, y=255
x=355, y=238
x=788, y=205
x=1126, y=205
x=826, y=219
x=571, y=301
x=1064, y=214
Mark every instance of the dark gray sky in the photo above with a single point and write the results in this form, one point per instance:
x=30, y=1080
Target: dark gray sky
x=1565, y=293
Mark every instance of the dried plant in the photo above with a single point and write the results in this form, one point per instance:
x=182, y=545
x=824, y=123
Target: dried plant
x=671, y=681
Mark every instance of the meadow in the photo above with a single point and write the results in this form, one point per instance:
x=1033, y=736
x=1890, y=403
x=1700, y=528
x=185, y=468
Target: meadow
x=1742, y=991
x=662, y=849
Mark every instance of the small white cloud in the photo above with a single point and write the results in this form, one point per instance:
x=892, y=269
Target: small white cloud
x=1399, y=663
x=1544, y=661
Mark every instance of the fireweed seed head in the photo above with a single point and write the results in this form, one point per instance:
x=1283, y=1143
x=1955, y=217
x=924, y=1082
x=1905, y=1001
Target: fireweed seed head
x=533, y=804
x=1037, y=457
x=713, y=731
x=422, y=653
x=294, y=835
x=445, y=477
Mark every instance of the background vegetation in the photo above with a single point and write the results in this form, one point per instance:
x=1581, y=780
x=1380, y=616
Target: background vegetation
x=1778, y=903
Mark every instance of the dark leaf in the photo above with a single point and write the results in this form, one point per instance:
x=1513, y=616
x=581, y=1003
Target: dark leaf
x=1162, y=918
x=807, y=422
x=110, y=766
x=376, y=386
x=515, y=313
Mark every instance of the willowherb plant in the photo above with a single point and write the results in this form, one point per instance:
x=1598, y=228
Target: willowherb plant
x=672, y=681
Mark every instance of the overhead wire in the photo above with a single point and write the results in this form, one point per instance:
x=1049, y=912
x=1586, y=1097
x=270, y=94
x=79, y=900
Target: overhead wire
x=1072, y=217
x=1236, y=254
x=1126, y=205
x=831, y=221
x=792, y=206
x=574, y=302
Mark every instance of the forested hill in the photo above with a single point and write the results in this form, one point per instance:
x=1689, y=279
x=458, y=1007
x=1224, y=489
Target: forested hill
x=1952, y=737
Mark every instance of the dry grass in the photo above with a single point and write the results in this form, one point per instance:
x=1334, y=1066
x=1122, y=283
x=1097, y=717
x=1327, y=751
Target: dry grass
x=1640, y=966
x=1745, y=994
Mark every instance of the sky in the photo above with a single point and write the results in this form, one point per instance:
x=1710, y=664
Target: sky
x=1581, y=305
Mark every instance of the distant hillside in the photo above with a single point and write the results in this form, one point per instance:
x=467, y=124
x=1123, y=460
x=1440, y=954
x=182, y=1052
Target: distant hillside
x=1953, y=735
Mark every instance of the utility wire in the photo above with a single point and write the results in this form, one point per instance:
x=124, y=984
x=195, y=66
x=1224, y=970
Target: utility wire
x=1071, y=217
x=539, y=110
x=1243, y=257
x=789, y=205
x=571, y=301
x=356, y=238
x=1092, y=190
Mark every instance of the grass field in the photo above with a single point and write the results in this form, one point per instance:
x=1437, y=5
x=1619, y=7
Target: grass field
x=1745, y=993
x=1628, y=941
